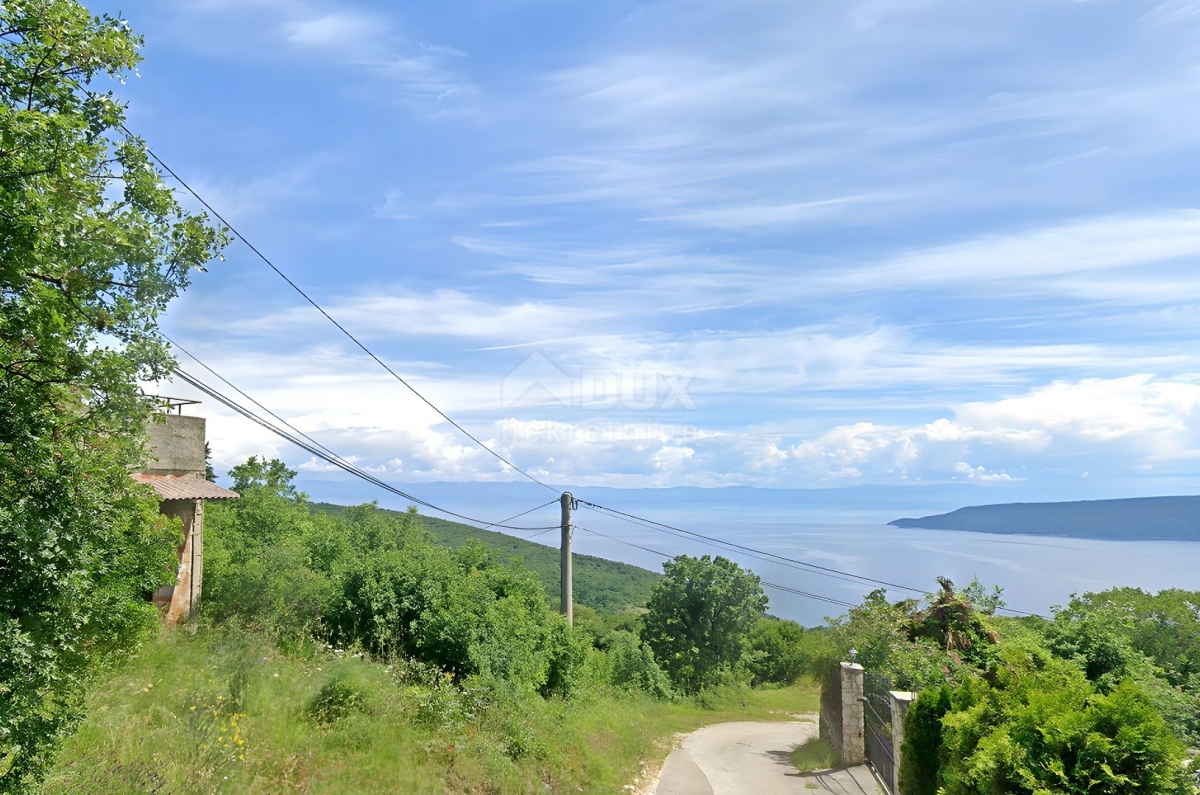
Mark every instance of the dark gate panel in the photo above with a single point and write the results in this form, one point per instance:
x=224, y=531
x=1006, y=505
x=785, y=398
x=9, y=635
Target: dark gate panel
x=831, y=709
x=877, y=717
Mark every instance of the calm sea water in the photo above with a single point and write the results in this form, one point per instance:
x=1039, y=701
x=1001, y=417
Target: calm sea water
x=843, y=530
x=1035, y=572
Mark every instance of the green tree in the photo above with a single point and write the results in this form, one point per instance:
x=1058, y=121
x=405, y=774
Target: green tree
x=92, y=248
x=699, y=617
x=777, y=651
x=258, y=473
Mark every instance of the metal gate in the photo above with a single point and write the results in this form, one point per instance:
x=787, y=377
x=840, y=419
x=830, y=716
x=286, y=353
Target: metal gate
x=877, y=719
x=831, y=708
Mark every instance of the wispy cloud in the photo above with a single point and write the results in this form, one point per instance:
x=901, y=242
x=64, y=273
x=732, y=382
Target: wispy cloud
x=884, y=241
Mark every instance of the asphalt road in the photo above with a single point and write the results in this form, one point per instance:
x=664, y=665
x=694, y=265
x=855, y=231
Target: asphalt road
x=751, y=758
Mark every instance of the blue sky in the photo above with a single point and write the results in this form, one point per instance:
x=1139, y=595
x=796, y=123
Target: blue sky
x=779, y=244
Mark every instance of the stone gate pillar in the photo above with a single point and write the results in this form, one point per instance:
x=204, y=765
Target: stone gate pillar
x=854, y=749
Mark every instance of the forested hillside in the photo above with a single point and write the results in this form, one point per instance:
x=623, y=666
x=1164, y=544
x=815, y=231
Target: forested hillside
x=600, y=584
x=1142, y=518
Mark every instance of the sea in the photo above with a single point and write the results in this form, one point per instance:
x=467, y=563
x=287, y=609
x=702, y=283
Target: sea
x=842, y=530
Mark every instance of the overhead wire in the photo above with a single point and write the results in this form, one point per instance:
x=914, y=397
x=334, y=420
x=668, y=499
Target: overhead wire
x=774, y=557
x=323, y=452
x=523, y=513
x=725, y=546
x=326, y=314
x=304, y=442
x=759, y=553
x=785, y=588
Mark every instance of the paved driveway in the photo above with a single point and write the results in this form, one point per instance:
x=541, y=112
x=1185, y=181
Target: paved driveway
x=752, y=758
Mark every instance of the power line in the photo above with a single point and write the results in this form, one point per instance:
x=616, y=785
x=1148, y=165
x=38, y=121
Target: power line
x=338, y=461
x=672, y=530
x=305, y=443
x=522, y=513
x=774, y=557
x=717, y=544
x=328, y=316
x=785, y=588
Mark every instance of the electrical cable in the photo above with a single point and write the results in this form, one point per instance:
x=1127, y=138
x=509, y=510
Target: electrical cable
x=766, y=557
x=314, y=442
x=774, y=557
x=676, y=530
x=302, y=441
x=328, y=316
x=785, y=588
x=522, y=513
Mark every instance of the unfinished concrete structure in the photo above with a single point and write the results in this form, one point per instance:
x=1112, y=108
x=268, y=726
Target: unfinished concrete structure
x=176, y=472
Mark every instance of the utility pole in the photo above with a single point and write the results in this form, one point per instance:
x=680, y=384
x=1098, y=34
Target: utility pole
x=566, y=598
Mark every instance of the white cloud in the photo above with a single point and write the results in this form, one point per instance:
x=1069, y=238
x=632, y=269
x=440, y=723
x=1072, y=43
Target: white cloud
x=1093, y=247
x=339, y=30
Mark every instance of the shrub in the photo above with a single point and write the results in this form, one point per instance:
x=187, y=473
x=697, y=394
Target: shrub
x=776, y=651
x=339, y=696
x=634, y=668
x=1037, y=725
x=919, y=762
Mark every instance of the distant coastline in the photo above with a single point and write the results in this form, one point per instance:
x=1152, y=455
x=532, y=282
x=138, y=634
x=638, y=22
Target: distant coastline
x=1132, y=519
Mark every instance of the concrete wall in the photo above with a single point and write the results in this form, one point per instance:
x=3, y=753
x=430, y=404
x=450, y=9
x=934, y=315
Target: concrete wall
x=176, y=445
x=180, y=600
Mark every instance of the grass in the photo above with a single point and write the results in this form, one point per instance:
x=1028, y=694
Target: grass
x=221, y=711
x=814, y=754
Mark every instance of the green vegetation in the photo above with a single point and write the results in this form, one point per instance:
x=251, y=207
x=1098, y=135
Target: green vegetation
x=699, y=618
x=1101, y=699
x=600, y=584
x=92, y=248
x=349, y=652
x=315, y=719
x=815, y=754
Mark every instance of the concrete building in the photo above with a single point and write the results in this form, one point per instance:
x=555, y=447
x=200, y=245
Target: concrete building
x=176, y=472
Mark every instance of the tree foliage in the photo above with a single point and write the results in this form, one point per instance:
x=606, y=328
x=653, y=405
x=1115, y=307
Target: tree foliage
x=92, y=248
x=699, y=618
x=373, y=578
x=776, y=651
x=1036, y=725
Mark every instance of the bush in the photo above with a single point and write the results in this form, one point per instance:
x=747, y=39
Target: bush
x=919, y=763
x=338, y=697
x=373, y=578
x=634, y=668
x=776, y=651
x=1039, y=726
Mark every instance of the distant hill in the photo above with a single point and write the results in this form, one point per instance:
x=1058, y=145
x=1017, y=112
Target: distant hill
x=1134, y=519
x=601, y=584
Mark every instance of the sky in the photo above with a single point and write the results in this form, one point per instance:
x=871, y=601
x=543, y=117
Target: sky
x=804, y=244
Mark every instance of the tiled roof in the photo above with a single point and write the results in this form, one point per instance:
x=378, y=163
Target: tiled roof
x=174, y=487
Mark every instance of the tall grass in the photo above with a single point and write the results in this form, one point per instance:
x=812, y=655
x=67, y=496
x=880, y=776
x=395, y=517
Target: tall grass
x=224, y=710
